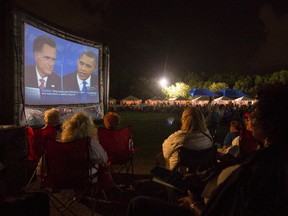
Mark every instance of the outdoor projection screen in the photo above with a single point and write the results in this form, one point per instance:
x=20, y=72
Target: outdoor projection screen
x=65, y=62
x=59, y=60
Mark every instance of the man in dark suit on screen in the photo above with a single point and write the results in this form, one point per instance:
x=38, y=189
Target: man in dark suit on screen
x=83, y=77
x=41, y=75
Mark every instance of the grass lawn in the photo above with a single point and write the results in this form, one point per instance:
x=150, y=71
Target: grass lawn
x=149, y=132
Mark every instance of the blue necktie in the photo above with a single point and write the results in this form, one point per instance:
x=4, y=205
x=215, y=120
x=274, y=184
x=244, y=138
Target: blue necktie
x=84, y=90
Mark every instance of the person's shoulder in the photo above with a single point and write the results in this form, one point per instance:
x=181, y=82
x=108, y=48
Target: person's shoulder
x=70, y=75
x=55, y=75
x=74, y=73
x=94, y=77
x=180, y=134
x=232, y=134
x=235, y=141
x=30, y=69
x=235, y=133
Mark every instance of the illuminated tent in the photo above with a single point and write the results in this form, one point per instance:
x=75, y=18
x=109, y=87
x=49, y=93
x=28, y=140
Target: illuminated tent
x=112, y=101
x=202, y=100
x=201, y=92
x=222, y=100
x=180, y=100
x=131, y=100
x=232, y=93
x=244, y=101
x=155, y=100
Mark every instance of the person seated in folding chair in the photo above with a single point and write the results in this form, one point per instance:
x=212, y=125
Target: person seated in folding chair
x=50, y=130
x=111, y=120
x=193, y=135
x=80, y=126
x=258, y=186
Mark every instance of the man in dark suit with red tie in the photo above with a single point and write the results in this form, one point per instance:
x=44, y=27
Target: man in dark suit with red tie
x=42, y=75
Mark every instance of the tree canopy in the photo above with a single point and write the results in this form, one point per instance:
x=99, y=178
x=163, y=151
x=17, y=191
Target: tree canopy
x=145, y=88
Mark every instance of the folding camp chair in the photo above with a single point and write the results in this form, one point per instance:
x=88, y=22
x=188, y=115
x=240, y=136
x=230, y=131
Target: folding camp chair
x=34, y=141
x=68, y=167
x=197, y=166
x=119, y=146
x=196, y=160
x=34, y=146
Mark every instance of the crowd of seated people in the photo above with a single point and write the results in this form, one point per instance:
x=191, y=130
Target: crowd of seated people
x=232, y=111
x=258, y=184
x=230, y=157
x=244, y=144
x=77, y=127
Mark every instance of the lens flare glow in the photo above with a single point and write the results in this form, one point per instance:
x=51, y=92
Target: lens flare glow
x=163, y=82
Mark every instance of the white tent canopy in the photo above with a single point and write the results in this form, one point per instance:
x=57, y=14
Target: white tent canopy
x=244, y=100
x=222, y=100
x=131, y=100
x=155, y=100
x=179, y=100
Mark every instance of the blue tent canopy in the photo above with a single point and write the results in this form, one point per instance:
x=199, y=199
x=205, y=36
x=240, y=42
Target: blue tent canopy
x=232, y=93
x=201, y=92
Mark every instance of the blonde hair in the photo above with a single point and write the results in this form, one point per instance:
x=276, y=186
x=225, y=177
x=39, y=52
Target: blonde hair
x=193, y=120
x=52, y=116
x=111, y=120
x=79, y=126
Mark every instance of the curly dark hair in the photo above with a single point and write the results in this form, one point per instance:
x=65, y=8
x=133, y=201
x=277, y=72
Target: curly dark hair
x=272, y=112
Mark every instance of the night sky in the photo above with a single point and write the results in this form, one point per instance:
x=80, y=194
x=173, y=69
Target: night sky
x=152, y=38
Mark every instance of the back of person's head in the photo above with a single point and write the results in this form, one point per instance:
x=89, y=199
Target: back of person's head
x=193, y=120
x=51, y=117
x=271, y=112
x=236, y=125
x=111, y=120
x=79, y=126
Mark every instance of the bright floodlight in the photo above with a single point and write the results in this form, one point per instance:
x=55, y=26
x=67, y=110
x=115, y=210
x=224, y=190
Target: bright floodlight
x=163, y=82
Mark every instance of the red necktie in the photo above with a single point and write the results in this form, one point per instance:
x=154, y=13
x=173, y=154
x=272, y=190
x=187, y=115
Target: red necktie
x=42, y=86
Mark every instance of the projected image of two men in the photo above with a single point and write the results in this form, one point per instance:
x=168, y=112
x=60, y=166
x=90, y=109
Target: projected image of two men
x=59, y=71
